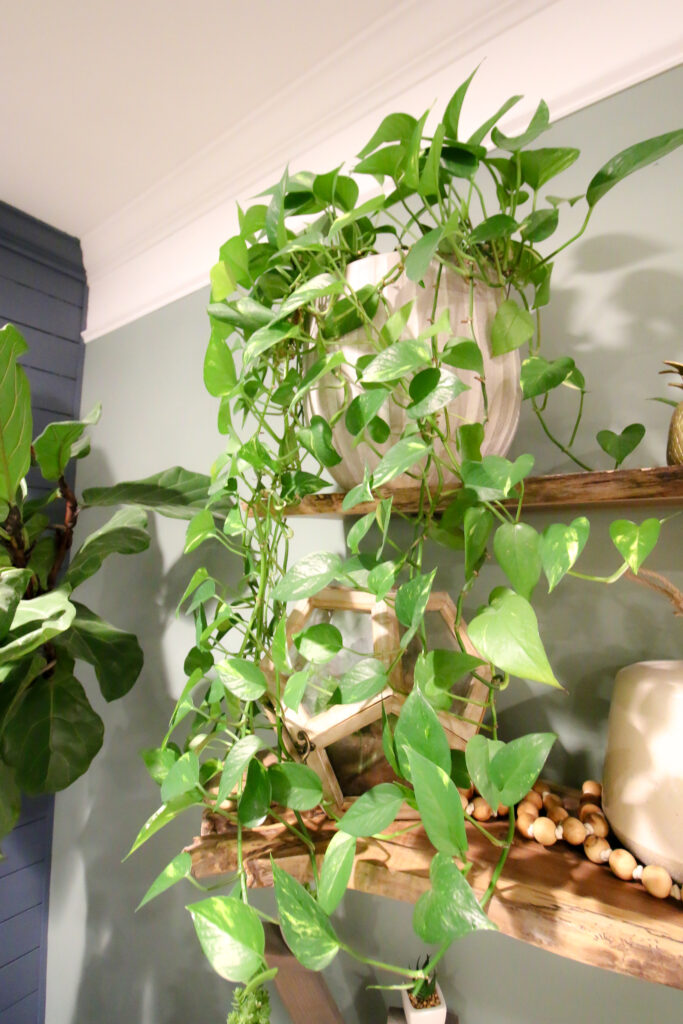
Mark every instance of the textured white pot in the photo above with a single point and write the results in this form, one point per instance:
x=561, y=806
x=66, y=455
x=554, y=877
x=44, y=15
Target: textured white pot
x=643, y=776
x=432, y=1015
x=501, y=372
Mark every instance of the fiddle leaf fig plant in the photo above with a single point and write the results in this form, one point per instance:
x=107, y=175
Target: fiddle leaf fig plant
x=49, y=732
x=295, y=317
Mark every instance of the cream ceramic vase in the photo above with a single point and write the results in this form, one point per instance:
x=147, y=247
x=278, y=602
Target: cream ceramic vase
x=501, y=372
x=643, y=775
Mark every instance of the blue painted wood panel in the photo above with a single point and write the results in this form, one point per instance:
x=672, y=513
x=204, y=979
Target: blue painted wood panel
x=43, y=291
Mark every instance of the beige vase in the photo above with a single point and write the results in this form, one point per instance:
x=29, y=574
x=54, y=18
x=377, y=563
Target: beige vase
x=643, y=776
x=501, y=372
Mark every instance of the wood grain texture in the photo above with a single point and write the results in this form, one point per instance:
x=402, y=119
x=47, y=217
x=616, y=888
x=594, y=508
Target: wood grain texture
x=662, y=485
x=552, y=898
x=304, y=993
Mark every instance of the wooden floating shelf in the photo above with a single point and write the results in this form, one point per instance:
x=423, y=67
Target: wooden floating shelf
x=554, y=898
x=662, y=485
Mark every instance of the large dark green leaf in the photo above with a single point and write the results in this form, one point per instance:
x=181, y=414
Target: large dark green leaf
x=124, y=534
x=115, y=655
x=419, y=729
x=295, y=785
x=10, y=800
x=373, y=811
x=236, y=764
x=305, y=925
x=319, y=643
x=630, y=160
x=479, y=753
x=411, y=600
x=449, y=909
x=517, y=547
x=363, y=409
x=634, y=542
x=317, y=439
x=256, y=796
x=231, y=935
x=16, y=424
x=500, y=225
x=308, y=576
x=506, y=634
x=477, y=529
x=54, y=446
x=538, y=226
x=432, y=390
x=35, y=622
x=54, y=734
x=175, y=492
x=13, y=583
x=336, y=870
x=438, y=802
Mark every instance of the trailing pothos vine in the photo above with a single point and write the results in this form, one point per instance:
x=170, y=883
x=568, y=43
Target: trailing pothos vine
x=282, y=308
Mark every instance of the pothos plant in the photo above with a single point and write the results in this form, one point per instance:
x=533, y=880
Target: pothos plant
x=49, y=732
x=281, y=308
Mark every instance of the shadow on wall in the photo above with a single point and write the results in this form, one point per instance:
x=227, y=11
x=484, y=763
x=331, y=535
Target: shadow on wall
x=157, y=983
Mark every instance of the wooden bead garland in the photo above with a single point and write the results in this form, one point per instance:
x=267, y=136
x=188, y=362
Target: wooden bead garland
x=543, y=816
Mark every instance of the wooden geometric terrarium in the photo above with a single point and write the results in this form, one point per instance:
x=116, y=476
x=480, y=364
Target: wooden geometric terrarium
x=329, y=735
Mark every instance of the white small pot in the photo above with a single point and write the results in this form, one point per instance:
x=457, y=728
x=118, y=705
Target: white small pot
x=501, y=372
x=430, y=1015
x=643, y=777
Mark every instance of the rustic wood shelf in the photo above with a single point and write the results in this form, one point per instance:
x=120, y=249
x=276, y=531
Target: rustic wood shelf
x=662, y=485
x=553, y=898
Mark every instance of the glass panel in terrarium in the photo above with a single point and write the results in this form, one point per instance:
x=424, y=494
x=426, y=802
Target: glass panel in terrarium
x=356, y=630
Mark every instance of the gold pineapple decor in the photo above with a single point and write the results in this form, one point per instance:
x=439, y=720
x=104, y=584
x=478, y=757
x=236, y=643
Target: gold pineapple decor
x=674, y=447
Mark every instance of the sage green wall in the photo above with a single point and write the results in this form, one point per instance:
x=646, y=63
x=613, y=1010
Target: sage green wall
x=617, y=309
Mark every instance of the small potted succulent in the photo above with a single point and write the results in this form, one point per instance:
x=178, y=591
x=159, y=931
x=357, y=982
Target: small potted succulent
x=424, y=1003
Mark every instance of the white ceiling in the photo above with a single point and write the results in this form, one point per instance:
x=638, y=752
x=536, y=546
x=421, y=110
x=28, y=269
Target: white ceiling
x=135, y=124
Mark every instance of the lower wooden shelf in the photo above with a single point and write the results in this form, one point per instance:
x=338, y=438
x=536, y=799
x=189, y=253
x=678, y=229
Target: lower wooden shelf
x=553, y=898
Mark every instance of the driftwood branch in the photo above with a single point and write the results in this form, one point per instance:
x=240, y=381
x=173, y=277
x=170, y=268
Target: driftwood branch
x=661, y=585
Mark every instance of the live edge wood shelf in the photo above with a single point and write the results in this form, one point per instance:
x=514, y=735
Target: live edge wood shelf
x=553, y=898
x=662, y=485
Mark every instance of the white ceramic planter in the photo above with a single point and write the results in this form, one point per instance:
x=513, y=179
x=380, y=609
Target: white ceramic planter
x=643, y=775
x=431, y=1015
x=501, y=372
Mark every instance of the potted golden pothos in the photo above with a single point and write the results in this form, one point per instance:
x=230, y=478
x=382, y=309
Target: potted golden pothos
x=317, y=350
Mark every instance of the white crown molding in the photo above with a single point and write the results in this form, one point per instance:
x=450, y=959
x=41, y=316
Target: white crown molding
x=571, y=52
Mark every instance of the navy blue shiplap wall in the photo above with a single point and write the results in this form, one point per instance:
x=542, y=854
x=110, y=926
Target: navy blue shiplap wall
x=43, y=293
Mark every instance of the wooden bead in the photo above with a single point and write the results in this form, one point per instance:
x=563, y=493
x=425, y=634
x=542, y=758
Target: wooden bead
x=544, y=831
x=623, y=864
x=469, y=792
x=464, y=799
x=590, y=808
x=502, y=811
x=657, y=881
x=557, y=813
x=592, y=788
x=598, y=823
x=480, y=809
x=540, y=787
x=573, y=831
x=534, y=798
x=596, y=849
x=551, y=800
x=526, y=807
x=525, y=824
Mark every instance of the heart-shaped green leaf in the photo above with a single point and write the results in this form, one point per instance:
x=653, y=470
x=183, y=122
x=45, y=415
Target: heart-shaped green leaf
x=364, y=680
x=295, y=785
x=516, y=766
x=116, y=656
x=506, y=634
x=317, y=439
x=411, y=602
x=16, y=425
x=538, y=376
x=256, y=796
x=308, y=576
x=438, y=391
x=401, y=457
x=540, y=165
x=182, y=778
x=231, y=936
x=395, y=362
x=479, y=753
x=560, y=548
x=618, y=446
x=125, y=534
x=477, y=528
x=179, y=868
x=305, y=925
x=512, y=326
x=449, y=909
x=242, y=678
x=634, y=542
x=373, y=811
x=336, y=870
x=493, y=477
x=319, y=643
x=419, y=729
x=630, y=160
x=438, y=802
x=235, y=765
x=517, y=547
